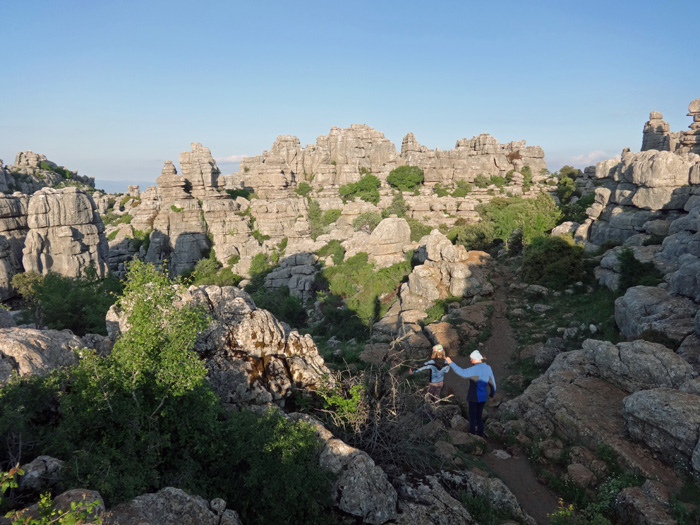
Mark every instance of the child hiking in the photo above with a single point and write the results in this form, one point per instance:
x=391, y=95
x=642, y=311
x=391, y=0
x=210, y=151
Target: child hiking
x=438, y=368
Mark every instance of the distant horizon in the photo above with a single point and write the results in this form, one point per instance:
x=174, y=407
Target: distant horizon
x=115, y=89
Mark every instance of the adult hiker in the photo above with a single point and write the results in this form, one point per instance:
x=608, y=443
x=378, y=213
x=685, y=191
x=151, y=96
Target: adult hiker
x=438, y=368
x=482, y=384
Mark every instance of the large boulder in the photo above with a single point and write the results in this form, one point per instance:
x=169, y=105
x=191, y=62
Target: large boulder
x=26, y=351
x=638, y=365
x=650, y=308
x=387, y=240
x=667, y=421
x=171, y=505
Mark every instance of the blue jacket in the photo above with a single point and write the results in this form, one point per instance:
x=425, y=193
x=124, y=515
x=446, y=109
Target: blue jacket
x=480, y=379
x=436, y=374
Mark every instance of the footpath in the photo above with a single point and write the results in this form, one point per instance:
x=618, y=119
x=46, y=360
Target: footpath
x=515, y=471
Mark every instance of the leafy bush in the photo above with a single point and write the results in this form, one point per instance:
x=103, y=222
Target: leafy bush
x=636, y=273
x=440, y=190
x=497, y=181
x=533, y=217
x=367, y=189
x=527, y=178
x=115, y=219
x=463, y=188
x=566, y=188
x=241, y=192
x=284, y=306
x=474, y=236
x=576, y=211
x=78, y=304
x=210, y=272
x=176, y=209
x=334, y=249
x=405, y=178
x=397, y=207
x=438, y=310
x=367, y=221
x=482, y=181
x=418, y=229
x=303, y=189
x=259, y=237
x=555, y=262
x=318, y=220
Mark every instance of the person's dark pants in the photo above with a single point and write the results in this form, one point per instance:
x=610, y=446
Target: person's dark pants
x=476, y=421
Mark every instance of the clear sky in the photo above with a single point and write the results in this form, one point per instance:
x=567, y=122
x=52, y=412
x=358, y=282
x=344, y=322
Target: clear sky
x=114, y=88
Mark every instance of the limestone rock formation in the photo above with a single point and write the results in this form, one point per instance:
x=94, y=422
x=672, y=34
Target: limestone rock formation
x=690, y=140
x=171, y=505
x=252, y=358
x=200, y=169
x=656, y=133
x=296, y=272
x=362, y=488
x=27, y=351
x=13, y=231
x=66, y=235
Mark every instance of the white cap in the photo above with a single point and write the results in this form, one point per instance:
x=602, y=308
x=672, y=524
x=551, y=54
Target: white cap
x=476, y=355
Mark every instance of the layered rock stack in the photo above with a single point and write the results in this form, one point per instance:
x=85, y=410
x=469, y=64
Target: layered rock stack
x=171, y=186
x=66, y=235
x=656, y=133
x=200, y=169
x=690, y=140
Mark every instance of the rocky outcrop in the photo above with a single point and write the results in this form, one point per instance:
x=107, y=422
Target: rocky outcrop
x=296, y=272
x=251, y=357
x=361, y=488
x=66, y=235
x=171, y=505
x=668, y=422
x=13, y=231
x=657, y=133
x=26, y=351
x=690, y=140
x=481, y=155
x=33, y=171
x=200, y=169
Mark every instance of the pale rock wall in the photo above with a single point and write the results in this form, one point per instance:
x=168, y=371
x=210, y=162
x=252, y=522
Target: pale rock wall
x=13, y=231
x=65, y=235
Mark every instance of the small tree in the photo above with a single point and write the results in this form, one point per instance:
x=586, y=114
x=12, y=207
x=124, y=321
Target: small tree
x=405, y=178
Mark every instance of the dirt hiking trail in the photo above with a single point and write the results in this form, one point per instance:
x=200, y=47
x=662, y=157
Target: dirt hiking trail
x=535, y=498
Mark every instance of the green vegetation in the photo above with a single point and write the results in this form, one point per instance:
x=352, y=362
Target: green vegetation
x=527, y=178
x=576, y=211
x=482, y=181
x=241, y=192
x=418, y=229
x=533, y=217
x=259, y=236
x=320, y=221
x=209, y=272
x=355, y=295
x=333, y=249
x=78, y=304
x=367, y=189
x=60, y=170
x=474, y=236
x=397, y=207
x=497, y=181
x=405, y=178
x=367, y=221
x=636, y=273
x=176, y=209
x=143, y=418
x=303, y=189
x=116, y=219
x=462, y=189
x=555, y=262
x=438, y=310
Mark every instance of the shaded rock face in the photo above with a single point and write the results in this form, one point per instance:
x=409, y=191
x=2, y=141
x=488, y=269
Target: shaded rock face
x=296, y=272
x=26, y=351
x=66, y=235
x=668, y=422
x=13, y=231
x=253, y=358
x=200, y=169
x=656, y=133
x=362, y=488
x=171, y=505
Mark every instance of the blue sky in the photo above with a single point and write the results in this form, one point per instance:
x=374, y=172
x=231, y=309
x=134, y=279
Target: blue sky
x=113, y=89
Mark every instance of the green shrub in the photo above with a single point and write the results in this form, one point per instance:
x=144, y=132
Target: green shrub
x=284, y=306
x=367, y=221
x=418, y=229
x=210, y=272
x=566, y=189
x=176, y=209
x=303, y=189
x=367, y=189
x=636, y=273
x=78, y=304
x=527, y=178
x=241, y=192
x=112, y=235
x=497, y=181
x=255, y=234
x=397, y=207
x=463, y=189
x=533, y=217
x=474, y=236
x=318, y=220
x=555, y=262
x=405, y=178
x=576, y=211
x=440, y=191
x=438, y=310
x=482, y=181
x=330, y=216
x=233, y=260
x=333, y=249
x=115, y=219
x=141, y=238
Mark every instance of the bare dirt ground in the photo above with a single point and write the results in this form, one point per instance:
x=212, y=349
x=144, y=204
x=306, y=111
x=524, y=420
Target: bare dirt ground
x=537, y=499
